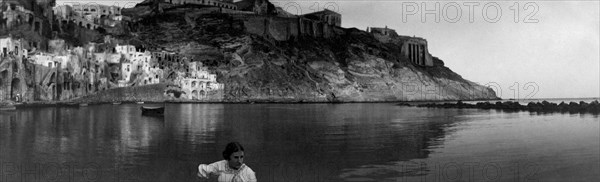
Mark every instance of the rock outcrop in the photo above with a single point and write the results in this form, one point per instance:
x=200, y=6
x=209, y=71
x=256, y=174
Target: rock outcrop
x=353, y=66
x=543, y=107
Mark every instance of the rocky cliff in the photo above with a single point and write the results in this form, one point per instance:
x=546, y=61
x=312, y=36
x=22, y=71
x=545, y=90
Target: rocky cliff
x=352, y=66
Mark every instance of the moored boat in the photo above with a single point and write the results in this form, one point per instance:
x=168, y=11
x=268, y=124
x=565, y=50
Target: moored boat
x=153, y=111
x=69, y=104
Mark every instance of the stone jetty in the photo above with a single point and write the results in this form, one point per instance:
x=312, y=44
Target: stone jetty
x=544, y=106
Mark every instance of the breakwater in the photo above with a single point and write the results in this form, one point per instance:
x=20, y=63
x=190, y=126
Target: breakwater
x=544, y=106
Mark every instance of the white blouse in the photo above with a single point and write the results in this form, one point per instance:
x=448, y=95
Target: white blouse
x=225, y=173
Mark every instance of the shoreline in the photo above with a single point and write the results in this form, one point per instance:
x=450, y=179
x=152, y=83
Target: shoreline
x=83, y=102
x=77, y=103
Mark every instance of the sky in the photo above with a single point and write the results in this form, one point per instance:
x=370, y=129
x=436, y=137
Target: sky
x=522, y=49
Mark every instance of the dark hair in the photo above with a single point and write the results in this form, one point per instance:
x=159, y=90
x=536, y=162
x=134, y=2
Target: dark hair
x=232, y=148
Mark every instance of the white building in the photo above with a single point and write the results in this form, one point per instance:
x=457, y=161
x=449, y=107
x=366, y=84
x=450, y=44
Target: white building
x=199, y=83
x=8, y=45
x=63, y=12
x=51, y=61
x=153, y=76
x=218, y=3
x=126, y=70
x=141, y=61
x=97, y=10
x=107, y=58
x=44, y=60
x=127, y=50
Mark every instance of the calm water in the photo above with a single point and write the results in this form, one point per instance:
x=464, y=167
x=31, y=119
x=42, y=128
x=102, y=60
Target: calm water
x=308, y=142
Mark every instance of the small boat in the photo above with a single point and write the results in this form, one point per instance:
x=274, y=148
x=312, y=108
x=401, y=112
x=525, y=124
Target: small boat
x=116, y=103
x=70, y=104
x=83, y=104
x=139, y=102
x=153, y=111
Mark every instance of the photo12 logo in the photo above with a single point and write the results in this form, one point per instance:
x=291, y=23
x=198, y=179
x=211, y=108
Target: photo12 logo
x=516, y=91
x=453, y=12
x=305, y=7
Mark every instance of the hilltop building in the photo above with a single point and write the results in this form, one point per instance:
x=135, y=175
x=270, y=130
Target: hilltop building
x=97, y=10
x=413, y=48
x=91, y=16
x=327, y=16
x=228, y=4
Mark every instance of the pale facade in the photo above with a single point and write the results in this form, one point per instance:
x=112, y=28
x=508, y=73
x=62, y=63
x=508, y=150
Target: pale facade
x=44, y=60
x=12, y=46
x=127, y=50
x=199, y=83
x=141, y=61
x=126, y=69
x=97, y=10
x=153, y=76
x=63, y=12
x=218, y=3
x=106, y=58
x=50, y=60
x=88, y=15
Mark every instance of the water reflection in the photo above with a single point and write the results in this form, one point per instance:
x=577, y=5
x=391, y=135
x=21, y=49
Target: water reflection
x=309, y=142
x=292, y=141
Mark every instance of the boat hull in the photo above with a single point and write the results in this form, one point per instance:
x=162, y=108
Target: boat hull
x=153, y=111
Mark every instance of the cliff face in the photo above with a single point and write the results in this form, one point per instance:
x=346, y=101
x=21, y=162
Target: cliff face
x=351, y=66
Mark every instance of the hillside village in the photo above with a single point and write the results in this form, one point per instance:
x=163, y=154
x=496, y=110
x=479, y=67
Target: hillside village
x=58, y=53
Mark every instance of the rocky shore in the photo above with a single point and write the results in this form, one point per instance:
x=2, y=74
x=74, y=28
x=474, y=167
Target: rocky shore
x=544, y=106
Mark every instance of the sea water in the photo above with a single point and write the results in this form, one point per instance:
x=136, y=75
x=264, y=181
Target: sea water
x=298, y=142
